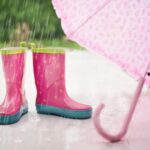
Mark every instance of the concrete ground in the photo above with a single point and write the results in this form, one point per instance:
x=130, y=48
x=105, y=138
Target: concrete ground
x=90, y=79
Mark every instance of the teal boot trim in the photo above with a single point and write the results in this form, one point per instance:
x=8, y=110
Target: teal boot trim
x=67, y=113
x=4, y=120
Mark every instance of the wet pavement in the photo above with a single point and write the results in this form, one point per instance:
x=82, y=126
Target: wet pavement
x=90, y=79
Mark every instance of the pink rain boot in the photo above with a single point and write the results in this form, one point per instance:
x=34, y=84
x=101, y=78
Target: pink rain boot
x=52, y=98
x=14, y=104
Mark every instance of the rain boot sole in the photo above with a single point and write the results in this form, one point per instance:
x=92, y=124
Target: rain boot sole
x=5, y=120
x=67, y=113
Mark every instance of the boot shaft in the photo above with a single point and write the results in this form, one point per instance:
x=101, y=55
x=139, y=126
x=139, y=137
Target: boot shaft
x=13, y=60
x=13, y=66
x=49, y=67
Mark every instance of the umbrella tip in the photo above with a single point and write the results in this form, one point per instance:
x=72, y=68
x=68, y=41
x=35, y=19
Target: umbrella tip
x=148, y=73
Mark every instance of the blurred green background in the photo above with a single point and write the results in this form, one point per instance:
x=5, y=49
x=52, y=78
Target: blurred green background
x=31, y=20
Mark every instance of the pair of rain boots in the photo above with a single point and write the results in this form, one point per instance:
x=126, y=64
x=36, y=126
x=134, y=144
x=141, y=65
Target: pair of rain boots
x=49, y=73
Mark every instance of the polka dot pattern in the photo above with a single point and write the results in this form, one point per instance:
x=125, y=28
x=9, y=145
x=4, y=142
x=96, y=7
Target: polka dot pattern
x=13, y=67
x=49, y=72
x=117, y=29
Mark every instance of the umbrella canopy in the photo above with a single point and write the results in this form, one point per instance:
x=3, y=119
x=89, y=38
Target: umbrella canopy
x=117, y=29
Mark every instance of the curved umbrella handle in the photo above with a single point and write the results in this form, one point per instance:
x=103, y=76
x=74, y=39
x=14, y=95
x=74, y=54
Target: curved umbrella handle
x=120, y=135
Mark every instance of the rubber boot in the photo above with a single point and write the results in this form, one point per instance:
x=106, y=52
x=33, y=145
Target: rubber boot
x=52, y=98
x=14, y=104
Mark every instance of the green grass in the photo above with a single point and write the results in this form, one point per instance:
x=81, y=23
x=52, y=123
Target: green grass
x=61, y=43
x=2, y=44
x=53, y=43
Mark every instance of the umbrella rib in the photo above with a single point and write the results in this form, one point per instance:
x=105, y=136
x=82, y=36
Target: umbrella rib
x=90, y=17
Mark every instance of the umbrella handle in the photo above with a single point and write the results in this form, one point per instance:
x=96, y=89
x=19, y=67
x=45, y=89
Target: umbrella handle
x=121, y=134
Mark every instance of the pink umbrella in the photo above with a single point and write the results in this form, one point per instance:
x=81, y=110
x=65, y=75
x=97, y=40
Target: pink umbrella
x=117, y=29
